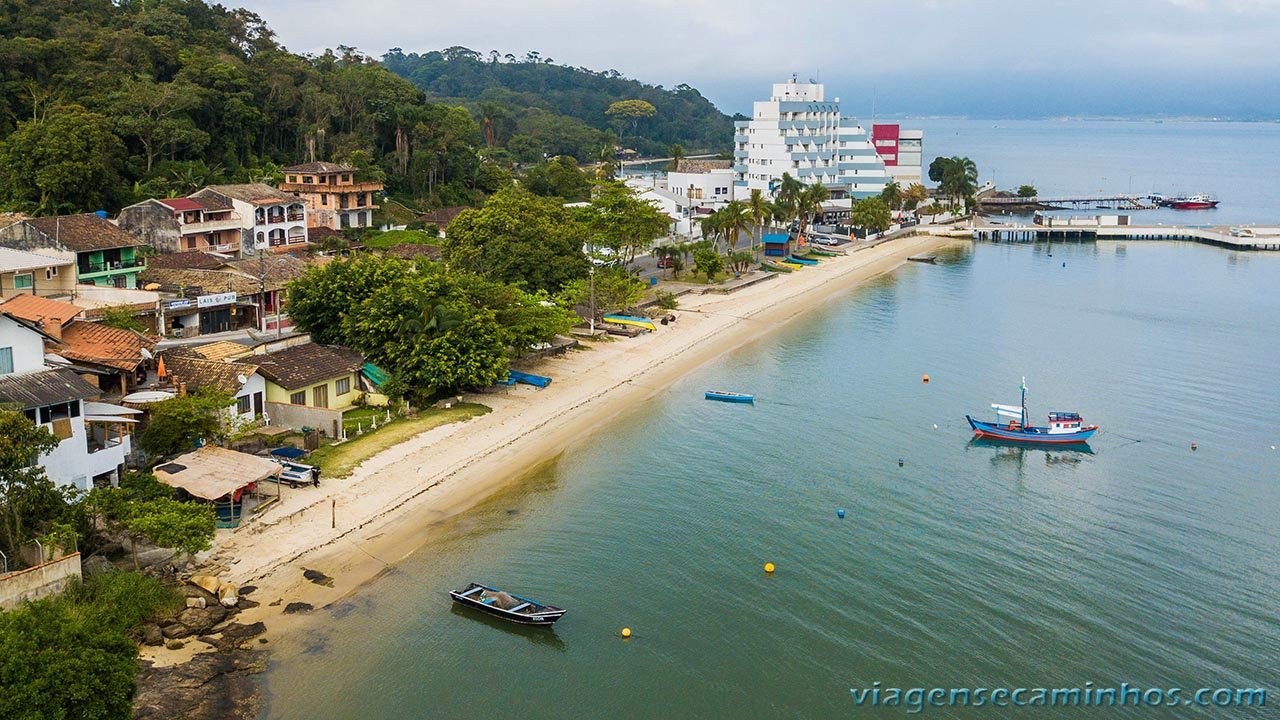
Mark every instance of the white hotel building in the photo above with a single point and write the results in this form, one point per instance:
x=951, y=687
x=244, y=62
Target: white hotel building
x=799, y=131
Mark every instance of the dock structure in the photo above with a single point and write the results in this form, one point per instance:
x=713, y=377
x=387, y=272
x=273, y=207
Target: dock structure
x=1133, y=202
x=1258, y=238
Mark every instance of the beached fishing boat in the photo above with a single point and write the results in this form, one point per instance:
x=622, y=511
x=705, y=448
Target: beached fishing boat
x=1064, y=428
x=505, y=605
x=732, y=397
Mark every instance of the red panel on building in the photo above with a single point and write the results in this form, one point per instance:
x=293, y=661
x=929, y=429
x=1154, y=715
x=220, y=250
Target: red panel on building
x=884, y=137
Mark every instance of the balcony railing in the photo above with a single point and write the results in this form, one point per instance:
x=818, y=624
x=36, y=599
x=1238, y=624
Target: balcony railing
x=211, y=226
x=88, y=268
x=295, y=217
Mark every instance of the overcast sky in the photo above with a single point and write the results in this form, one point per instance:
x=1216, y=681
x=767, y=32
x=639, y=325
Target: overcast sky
x=1001, y=58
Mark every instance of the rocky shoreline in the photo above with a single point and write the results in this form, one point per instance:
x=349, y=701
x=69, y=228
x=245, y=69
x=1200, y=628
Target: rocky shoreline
x=213, y=684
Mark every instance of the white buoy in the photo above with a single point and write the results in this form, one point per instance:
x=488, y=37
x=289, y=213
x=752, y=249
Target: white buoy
x=935, y=426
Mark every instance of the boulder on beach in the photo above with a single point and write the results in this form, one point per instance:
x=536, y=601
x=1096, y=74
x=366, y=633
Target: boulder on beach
x=297, y=607
x=197, y=602
x=201, y=620
x=208, y=582
x=175, y=630
x=227, y=594
x=151, y=635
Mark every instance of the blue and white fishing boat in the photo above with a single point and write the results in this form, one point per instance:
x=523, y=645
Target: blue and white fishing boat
x=1064, y=428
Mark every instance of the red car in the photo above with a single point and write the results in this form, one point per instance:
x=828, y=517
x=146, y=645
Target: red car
x=666, y=263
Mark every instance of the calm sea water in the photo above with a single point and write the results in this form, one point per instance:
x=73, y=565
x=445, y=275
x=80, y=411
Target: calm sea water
x=968, y=565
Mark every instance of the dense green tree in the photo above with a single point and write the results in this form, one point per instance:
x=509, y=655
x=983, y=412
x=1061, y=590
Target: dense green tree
x=620, y=222
x=28, y=499
x=525, y=148
x=564, y=107
x=1027, y=191
x=174, y=425
x=518, y=238
x=70, y=657
x=627, y=114
x=615, y=291
x=169, y=523
x=708, y=262
x=957, y=177
x=559, y=177
x=871, y=214
x=69, y=160
x=155, y=114
x=320, y=300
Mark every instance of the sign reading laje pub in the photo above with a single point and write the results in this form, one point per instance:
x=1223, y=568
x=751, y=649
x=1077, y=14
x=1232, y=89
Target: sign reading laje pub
x=215, y=299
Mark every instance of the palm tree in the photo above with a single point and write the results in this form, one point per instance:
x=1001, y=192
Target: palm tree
x=735, y=219
x=677, y=154
x=710, y=226
x=809, y=204
x=760, y=211
x=892, y=195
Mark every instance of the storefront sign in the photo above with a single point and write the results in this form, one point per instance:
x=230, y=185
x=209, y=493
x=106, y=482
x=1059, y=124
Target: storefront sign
x=177, y=304
x=216, y=299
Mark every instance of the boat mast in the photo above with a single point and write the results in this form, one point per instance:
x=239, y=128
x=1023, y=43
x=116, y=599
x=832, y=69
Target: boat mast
x=1024, y=403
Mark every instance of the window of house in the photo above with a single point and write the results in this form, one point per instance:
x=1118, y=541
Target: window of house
x=342, y=387
x=307, y=179
x=50, y=273
x=24, y=281
x=298, y=398
x=6, y=360
x=191, y=243
x=243, y=404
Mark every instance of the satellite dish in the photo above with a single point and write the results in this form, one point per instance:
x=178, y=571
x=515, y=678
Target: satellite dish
x=146, y=354
x=242, y=379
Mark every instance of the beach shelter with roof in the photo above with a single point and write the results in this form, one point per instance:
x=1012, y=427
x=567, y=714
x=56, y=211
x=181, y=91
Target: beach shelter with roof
x=220, y=476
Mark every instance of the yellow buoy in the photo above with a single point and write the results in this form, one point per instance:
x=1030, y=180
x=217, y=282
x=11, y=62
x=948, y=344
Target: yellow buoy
x=768, y=567
x=924, y=378
x=626, y=632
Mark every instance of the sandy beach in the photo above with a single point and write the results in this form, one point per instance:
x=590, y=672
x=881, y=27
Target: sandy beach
x=353, y=528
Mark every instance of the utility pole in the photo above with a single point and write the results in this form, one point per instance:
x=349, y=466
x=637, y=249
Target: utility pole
x=592, y=273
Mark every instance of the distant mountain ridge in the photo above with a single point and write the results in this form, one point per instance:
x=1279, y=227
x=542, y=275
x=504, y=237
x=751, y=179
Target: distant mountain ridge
x=531, y=88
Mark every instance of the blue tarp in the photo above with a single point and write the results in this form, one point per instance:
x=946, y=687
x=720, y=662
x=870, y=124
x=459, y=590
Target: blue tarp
x=530, y=379
x=288, y=453
x=775, y=238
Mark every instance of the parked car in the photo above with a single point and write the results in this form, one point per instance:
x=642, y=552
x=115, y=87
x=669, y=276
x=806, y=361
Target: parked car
x=666, y=263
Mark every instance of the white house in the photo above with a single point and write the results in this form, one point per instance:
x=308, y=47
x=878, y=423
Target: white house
x=271, y=220
x=710, y=189
x=799, y=132
x=94, y=437
x=239, y=378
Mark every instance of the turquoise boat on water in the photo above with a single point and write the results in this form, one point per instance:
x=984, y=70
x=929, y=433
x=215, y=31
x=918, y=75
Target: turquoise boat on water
x=732, y=397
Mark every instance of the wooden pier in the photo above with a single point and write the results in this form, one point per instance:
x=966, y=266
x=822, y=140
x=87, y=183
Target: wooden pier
x=1262, y=239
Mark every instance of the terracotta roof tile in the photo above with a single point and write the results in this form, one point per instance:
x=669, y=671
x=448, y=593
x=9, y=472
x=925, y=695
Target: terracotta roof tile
x=300, y=366
x=221, y=350
x=102, y=345
x=198, y=372
x=41, y=309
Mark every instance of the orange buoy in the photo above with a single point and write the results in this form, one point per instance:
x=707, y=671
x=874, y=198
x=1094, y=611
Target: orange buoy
x=925, y=378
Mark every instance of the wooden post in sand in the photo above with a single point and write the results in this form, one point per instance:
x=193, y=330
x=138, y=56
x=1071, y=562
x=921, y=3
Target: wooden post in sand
x=333, y=513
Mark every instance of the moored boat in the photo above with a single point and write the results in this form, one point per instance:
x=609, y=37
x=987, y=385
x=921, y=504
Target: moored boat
x=732, y=397
x=1064, y=428
x=1195, y=202
x=505, y=605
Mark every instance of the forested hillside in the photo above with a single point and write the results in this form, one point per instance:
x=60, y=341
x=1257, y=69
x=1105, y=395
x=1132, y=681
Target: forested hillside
x=103, y=103
x=530, y=101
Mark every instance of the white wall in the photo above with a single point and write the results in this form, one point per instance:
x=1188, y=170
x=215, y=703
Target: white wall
x=27, y=345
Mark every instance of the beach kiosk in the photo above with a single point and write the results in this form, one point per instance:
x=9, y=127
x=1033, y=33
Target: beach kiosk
x=776, y=245
x=225, y=478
